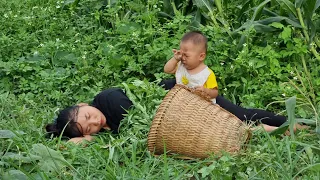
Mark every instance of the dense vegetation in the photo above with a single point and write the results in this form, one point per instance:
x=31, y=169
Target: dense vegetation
x=58, y=53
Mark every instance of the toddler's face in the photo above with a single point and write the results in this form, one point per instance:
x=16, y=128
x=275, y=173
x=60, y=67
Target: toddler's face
x=191, y=55
x=90, y=120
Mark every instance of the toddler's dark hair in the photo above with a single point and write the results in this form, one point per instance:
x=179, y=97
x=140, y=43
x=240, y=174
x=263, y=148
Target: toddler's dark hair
x=197, y=38
x=66, y=119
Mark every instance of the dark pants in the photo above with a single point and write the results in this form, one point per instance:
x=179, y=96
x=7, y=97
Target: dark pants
x=254, y=115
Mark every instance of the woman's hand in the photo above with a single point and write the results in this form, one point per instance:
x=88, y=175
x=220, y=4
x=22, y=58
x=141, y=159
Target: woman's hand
x=78, y=140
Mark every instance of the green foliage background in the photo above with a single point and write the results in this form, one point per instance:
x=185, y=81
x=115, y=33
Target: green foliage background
x=58, y=53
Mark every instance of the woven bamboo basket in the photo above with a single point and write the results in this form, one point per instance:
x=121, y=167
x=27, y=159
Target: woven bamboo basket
x=188, y=124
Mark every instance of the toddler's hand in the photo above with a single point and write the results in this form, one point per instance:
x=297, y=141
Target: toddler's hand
x=199, y=88
x=177, y=54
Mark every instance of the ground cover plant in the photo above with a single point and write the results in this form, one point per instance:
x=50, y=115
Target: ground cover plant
x=265, y=54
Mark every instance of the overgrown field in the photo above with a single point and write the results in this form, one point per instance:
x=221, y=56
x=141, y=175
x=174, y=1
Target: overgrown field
x=58, y=53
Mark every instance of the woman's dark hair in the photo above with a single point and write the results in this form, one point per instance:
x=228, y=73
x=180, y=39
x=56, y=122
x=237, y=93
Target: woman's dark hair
x=66, y=120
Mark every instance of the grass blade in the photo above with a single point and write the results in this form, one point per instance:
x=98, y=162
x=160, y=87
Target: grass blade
x=290, y=106
x=258, y=10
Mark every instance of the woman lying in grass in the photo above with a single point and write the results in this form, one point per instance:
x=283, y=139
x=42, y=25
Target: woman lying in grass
x=80, y=121
x=107, y=110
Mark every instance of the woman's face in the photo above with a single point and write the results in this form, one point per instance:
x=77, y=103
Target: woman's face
x=90, y=120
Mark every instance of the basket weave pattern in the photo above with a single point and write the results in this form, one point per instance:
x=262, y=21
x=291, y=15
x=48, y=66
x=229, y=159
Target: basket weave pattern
x=190, y=125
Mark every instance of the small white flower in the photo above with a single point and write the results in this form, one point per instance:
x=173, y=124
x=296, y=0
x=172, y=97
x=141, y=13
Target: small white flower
x=295, y=78
x=250, y=64
x=58, y=7
x=155, y=6
x=84, y=56
x=5, y=15
x=284, y=94
x=35, y=53
x=276, y=43
x=291, y=72
x=231, y=67
x=225, y=89
x=245, y=44
x=54, y=18
x=15, y=16
x=222, y=63
x=41, y=45
x=85, y=52
x=242, y=51
x=57, y=39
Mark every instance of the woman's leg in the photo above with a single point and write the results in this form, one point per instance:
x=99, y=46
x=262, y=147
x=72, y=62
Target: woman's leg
x=254, y=115
x=168, y=84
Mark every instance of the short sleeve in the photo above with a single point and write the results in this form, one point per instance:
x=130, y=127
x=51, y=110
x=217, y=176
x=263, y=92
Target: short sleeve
x=211, y=81
x=113, y=103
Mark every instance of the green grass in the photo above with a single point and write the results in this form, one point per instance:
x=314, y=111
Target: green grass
x=53, y=55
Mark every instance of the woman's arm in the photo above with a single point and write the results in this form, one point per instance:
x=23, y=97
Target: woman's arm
x=78, y=140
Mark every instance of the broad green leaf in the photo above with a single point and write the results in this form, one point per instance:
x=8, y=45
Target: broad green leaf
x=205, y=171
x=196, y=21
x=263, y=28
x=309, y=8
x=258, y=10
x=278, y=19
x=204, y=5
x=270, y=20
x=280, y=130
x=244, y=80
x=294, y=23
x=20, y=157
x=67, y=2
x=317, y=5
x=243, y=40
x=290, y=107
x=15, y=174
x=306, y=121
x=164, y=14
x=314, y=167
x=260, y=64
x=51, y=160
x=267, y=12
x=289, y=6
x=219, y=5
x=6, y=134
x=312, y=30
x=298, y=3
x=244, y=9
x=286, y=33
x=277, y=25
